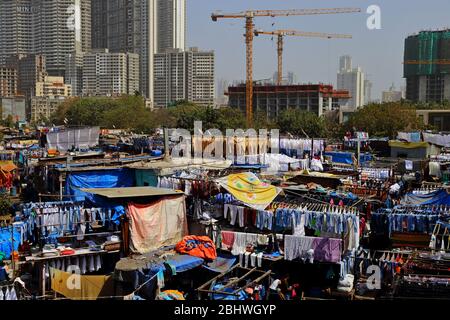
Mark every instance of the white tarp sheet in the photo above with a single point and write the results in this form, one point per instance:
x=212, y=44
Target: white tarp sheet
x=438, y=139
x=82, y=138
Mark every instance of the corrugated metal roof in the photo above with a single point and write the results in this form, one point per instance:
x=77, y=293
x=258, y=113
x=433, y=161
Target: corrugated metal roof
x=181, y=163
x=132, y=192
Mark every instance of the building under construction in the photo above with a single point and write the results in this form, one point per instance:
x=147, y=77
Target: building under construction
x=427, y=67
x=273, y=99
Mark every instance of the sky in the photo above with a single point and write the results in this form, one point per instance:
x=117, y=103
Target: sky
x=378, y=52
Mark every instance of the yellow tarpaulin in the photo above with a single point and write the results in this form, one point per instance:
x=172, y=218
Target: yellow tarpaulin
x=407, y=145
x=27, y=142
x=247, y=188
x=318, y=174
x=78, y=287
x=7, y=166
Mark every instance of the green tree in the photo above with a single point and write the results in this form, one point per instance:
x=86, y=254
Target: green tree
x=125, y=112
x=301, y=123
x=183, y=115
x=9, y=122
x=386, y=119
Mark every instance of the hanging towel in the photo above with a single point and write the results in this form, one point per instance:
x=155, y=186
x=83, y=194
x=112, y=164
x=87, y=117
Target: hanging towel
x=83, y=265
x=253, y=260
x=91, y=264
x=241, y=216
x=226, y=210
x=259, y=259
x=240, y=243
x=247, y=259
x=7, y=294
x=98, y=262
x=12, y=294
x=233, y=215
x=227, y=240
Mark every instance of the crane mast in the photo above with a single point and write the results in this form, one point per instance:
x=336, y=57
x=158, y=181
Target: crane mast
x=294, y=33
x=249, y=16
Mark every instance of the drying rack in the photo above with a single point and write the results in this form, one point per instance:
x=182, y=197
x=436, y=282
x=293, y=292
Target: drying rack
x=252, y=276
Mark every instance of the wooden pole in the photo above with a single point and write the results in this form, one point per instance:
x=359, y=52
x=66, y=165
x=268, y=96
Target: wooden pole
x=166, y=144
x=43, y=279
x=257, y=280
x=12, y=244
x=217, y=277
x=239, y=279
x=358, y=153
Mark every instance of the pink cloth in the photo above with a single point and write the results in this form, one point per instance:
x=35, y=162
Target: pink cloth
x=227, y=240
x=158, y=224
x=327, y=249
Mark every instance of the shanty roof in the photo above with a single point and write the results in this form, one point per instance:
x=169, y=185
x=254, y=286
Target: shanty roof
x=132, y=192
x=181, y=163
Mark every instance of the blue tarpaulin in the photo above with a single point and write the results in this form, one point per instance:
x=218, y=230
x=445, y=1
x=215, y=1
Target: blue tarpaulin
x=220, y=287
x=221, y=264
x=365, y=157
x=349, y=195
x=7, y=246
x=347, y=157
x=438, y=197
x=340, y=157
x=114, y=178
x=184, y=262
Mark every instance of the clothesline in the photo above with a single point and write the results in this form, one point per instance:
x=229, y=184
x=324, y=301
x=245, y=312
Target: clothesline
x=313, y=206
x=59, y=224
x=90, y=234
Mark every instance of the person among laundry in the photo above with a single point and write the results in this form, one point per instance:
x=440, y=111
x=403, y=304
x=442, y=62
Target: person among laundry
x=280, y=289
x=3, y=271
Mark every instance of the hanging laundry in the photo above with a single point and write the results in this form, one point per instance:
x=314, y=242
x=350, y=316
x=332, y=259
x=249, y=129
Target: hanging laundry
x=324, y=249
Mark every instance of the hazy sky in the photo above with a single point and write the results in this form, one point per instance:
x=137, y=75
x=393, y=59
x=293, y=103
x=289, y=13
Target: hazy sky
x=378, y=52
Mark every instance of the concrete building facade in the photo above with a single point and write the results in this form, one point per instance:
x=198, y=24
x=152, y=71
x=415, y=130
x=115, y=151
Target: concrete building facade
x=128, y=26
x=17, y=35
x=31, y=70
x=353, y=80
x=53, y=87
x=392, y=95
x=52, y=28
x=99, y=24
x=14, y=107
x=272, y=100
x=427, y=81
x=74, y=72
x=8, y=82
x=110, y=74
x=368, y=86
x=44, y=107
x=184, y=75
x=172, y=25
x=144, y=27
x=439, y=119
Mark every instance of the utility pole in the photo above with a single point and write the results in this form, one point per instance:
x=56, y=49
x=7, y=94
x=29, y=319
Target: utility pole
x=166, y=144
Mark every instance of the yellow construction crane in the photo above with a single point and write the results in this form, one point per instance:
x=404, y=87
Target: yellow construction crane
x=249, y=15
x=293, y=33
